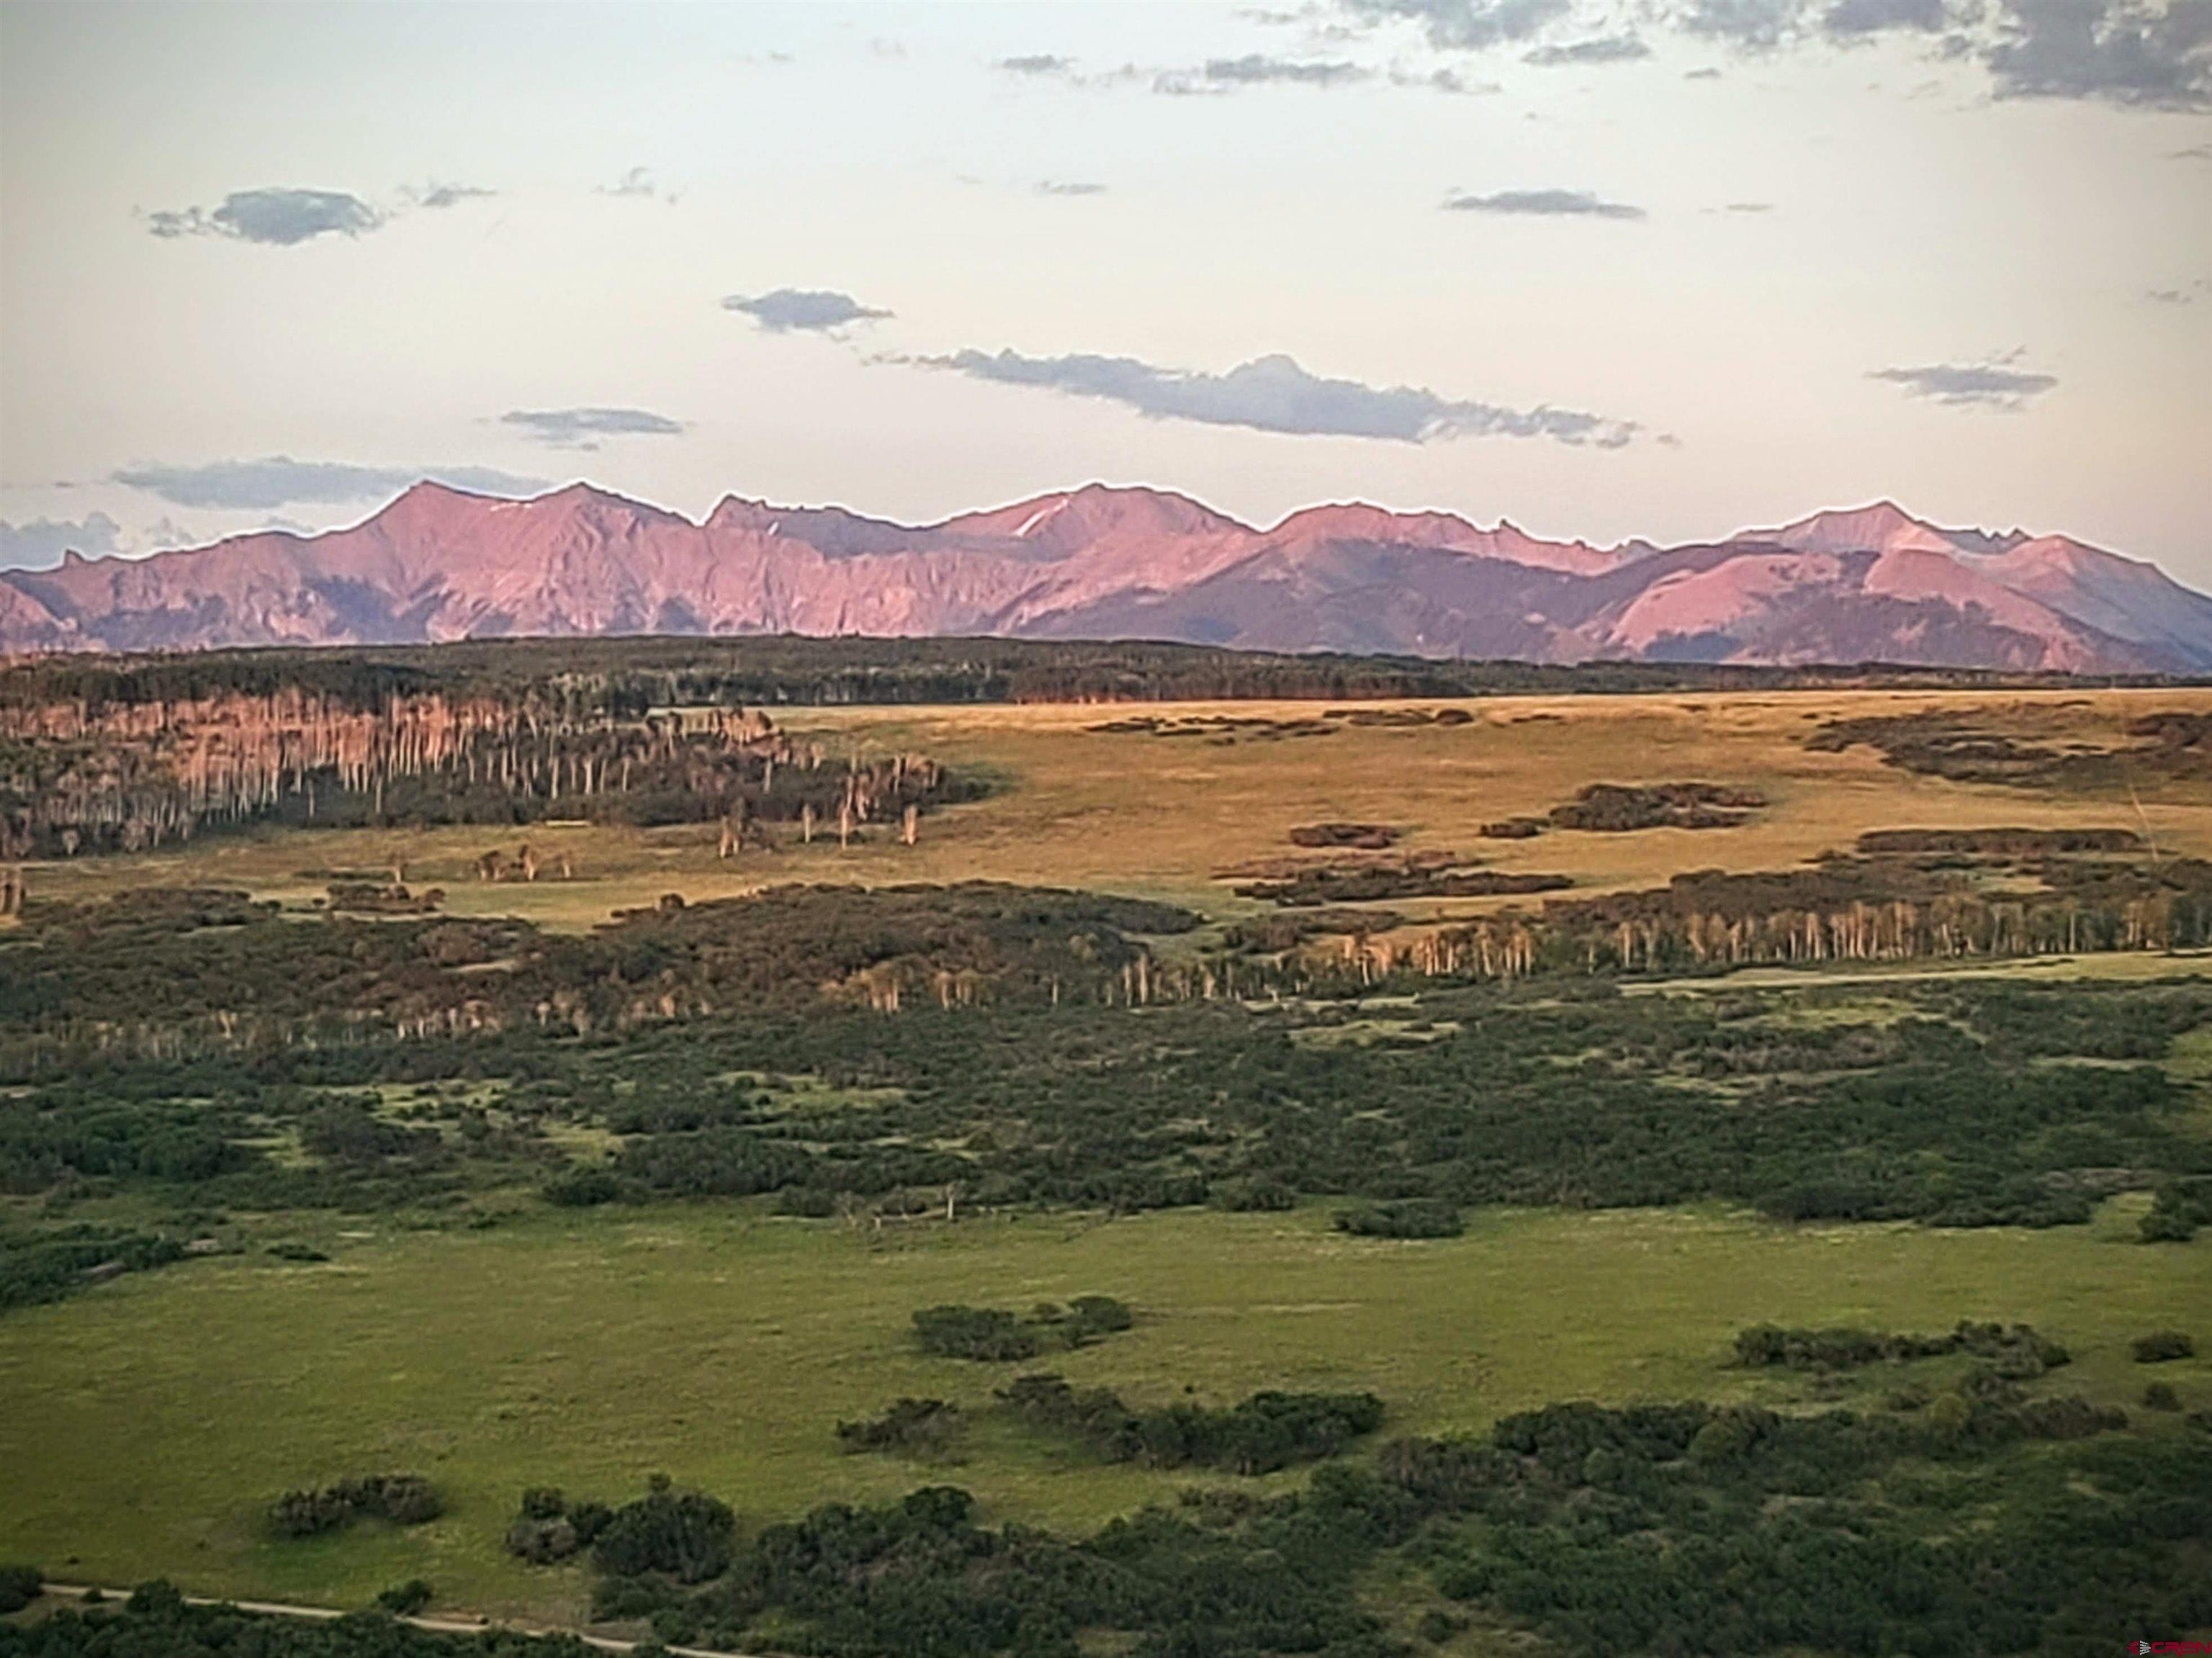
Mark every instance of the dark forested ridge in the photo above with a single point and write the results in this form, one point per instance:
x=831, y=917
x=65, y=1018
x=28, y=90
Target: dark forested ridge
x=630, y=675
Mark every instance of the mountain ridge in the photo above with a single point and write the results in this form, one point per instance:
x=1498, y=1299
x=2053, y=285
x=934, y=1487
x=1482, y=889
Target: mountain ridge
x=1107, y=562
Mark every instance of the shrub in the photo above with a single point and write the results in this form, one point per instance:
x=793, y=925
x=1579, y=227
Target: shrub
x=687, y=1535
x=406, y=1600
x=615, y=1599
x=589, y=1519
x=978, y=1333
x=2161, y=1345
x=549, y=1528
x=19, y=1587
x=2016, y=1351
x=1097, y=1315
x=2160, y=1396
x=542, y=1542
x=155, y=1598
x=582, y=1188
x=544, y=1502
x=999, y=1337
x=1258, y=1435
x=1256, y=1194
x=404, y=1499
x=2178, y=1208
x=912, y=1427
x=1407, y=1217
x=1437, y=1626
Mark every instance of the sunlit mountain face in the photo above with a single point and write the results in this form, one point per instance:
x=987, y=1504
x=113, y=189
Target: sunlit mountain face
x=1870, y=585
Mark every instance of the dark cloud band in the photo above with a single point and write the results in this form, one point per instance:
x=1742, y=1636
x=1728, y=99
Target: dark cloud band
x=1545, y=204
x=278, y=218
x=812, y=310
x=277, y=481
x=1971, y=385
x=582, y=428
x=1275, y=394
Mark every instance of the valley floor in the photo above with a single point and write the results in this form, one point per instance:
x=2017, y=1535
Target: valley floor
x=149, y=1422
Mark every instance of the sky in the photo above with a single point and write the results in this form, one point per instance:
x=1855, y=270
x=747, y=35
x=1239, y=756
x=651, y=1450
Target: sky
x=1606, y=268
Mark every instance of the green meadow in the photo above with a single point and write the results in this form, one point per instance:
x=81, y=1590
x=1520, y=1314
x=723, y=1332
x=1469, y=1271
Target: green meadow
x=148, y=1423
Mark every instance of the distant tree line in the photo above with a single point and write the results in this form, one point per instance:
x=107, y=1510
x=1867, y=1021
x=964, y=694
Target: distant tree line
x=628, y=675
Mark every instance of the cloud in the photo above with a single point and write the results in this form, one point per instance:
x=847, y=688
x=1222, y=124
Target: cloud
x=1749, y=207
x=1544, y=203
x=1068, y=187
x=1444, y=80
x=2120, y=52
x=1753, y=24
x=1602, y=49
x=2151, y=54
x=1254, y=69
x=2187, y=293
x=442, y=195
x=1217, y=76
x=1856, y=19
x=1274, y=394
x=1464, y=25
x=1994, y=385
x=2146, y=53
x=2194, y=153
x=40, y=544
x=1708, y=73
x=1764, y=25
x=582, y=428
x=811, y=310
x=279, y=481
x=639, y=182
x=278, y=218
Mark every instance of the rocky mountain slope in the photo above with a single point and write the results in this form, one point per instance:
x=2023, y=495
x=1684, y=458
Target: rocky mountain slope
x=437, y=563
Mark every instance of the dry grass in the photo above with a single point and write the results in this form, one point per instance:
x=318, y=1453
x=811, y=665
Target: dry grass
x=1161, y=817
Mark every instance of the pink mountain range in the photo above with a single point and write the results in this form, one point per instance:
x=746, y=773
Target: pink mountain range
x=437, y=563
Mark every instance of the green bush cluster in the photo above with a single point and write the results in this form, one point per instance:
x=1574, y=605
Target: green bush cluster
x=1258, y=1435
x=403, y=1499
x=996, y=1336
x=2015, y=1351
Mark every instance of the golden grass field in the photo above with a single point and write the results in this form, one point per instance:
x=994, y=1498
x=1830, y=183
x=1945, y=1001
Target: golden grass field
x=1162, y=816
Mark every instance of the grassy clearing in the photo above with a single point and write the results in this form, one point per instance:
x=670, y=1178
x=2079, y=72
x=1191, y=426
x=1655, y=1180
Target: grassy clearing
x=148, y=1423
